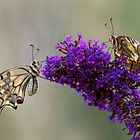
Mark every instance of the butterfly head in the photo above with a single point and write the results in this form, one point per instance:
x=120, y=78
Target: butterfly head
x=112, y=38
x=35, y=65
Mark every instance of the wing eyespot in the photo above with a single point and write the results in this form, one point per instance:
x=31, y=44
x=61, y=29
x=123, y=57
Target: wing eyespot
x=19, y=100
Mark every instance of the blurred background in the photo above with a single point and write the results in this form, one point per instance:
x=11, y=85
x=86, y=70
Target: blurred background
x=56, y=112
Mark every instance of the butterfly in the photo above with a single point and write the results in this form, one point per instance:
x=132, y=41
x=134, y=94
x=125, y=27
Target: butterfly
x=15, y=82
x=128, y=46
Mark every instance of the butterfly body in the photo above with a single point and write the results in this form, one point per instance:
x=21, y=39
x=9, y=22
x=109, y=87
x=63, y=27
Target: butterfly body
x=14, y=83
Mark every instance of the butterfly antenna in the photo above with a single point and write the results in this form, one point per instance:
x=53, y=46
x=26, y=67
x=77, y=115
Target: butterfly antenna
x=112, y=26
x=33, y=47
x=33, y=50
x=108, y=28
x=37, y=50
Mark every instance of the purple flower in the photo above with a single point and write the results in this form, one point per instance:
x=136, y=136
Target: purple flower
x=96, y=40
x=108, y=85
x=80, y=36
x=68, y=37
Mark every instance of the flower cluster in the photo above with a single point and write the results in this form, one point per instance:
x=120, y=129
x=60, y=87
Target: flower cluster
x=86, y=67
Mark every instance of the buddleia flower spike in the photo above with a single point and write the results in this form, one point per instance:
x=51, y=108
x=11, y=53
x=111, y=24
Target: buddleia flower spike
x=106, y=84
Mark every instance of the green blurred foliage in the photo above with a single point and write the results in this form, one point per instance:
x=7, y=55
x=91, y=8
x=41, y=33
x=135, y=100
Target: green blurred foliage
x=57, y=112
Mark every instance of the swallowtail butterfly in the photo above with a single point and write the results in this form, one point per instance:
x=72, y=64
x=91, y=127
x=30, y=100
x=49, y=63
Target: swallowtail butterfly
x=15, y=82
x=126, y=45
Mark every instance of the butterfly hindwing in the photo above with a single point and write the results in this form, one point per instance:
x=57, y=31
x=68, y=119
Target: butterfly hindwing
x=13, y=85
x=32, y=86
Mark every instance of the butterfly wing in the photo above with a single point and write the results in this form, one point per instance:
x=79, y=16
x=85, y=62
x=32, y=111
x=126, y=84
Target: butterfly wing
x=13, y=85
x=128, y=46
x=32, y=86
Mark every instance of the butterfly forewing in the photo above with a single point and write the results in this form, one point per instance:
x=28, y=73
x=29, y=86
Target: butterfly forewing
x=13, y=85
x=128, y=46
x=124, y=45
